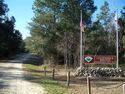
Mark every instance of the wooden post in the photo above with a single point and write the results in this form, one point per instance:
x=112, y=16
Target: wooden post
x=45, y=71
x=123, y=88
x=68, y=78
x=88, y=85
x=53, y=73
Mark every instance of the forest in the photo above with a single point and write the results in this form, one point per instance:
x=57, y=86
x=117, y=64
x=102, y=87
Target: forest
x=55, y=31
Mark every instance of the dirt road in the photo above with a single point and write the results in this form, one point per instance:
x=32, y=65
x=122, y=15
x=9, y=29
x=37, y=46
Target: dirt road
x=12, y=80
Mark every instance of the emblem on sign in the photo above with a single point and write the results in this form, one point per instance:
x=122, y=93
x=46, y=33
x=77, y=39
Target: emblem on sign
x=88, y=59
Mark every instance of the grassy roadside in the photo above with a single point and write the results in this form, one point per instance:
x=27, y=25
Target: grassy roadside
x=51, y=86
x=59, y=87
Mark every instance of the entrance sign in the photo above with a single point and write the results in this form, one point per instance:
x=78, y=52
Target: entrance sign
x=109, y=59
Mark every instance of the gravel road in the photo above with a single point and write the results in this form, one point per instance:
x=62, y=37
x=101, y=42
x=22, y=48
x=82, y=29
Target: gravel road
x=12, y=80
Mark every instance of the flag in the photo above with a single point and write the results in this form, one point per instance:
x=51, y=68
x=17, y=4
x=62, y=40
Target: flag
x=116, y=20
x=81, y=2
x=81, y=24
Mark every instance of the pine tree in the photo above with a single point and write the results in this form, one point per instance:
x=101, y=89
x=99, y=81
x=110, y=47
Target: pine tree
x=56, y=25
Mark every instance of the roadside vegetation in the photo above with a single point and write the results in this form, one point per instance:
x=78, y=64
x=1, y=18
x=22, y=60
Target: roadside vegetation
x=50, y=85
x=77, y=85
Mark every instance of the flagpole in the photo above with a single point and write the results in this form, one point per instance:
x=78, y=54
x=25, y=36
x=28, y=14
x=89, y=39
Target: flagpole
x=117, y=65
x=81, y=60
x=117, y=55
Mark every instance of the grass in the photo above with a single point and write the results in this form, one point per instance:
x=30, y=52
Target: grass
x=59, y=87
x=122, y=66
x=51, y=86
x=54, y=87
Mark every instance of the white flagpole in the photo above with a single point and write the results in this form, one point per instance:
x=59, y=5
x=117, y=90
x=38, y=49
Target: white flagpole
x=117, y=65
x=81, y=63
x=117, y=55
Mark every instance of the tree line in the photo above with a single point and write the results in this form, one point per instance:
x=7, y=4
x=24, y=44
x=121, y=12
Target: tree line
x=55, y=31
x=10, y=39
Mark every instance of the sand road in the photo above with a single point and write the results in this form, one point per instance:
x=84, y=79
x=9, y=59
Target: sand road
x=12, y=80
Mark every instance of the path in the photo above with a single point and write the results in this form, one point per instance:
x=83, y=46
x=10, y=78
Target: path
x=12, y=80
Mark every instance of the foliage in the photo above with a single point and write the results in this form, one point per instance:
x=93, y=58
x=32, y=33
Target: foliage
x=10, y=39
x=102, y=36
x=55, y=28
x=122, y=35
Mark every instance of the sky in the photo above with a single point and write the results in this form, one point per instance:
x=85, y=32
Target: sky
x=22, y=11
x=113, y=5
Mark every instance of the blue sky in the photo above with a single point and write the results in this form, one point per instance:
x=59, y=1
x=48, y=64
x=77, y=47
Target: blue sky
x=113, y=5
x=22, y=11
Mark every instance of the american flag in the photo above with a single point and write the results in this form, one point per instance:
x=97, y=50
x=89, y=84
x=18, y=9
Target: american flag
x=116, y=20
x=82, y=24
x=116, y=17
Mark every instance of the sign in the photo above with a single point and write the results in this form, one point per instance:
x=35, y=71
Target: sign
x=109, y=59
x=105, y=59
x=89, y=59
